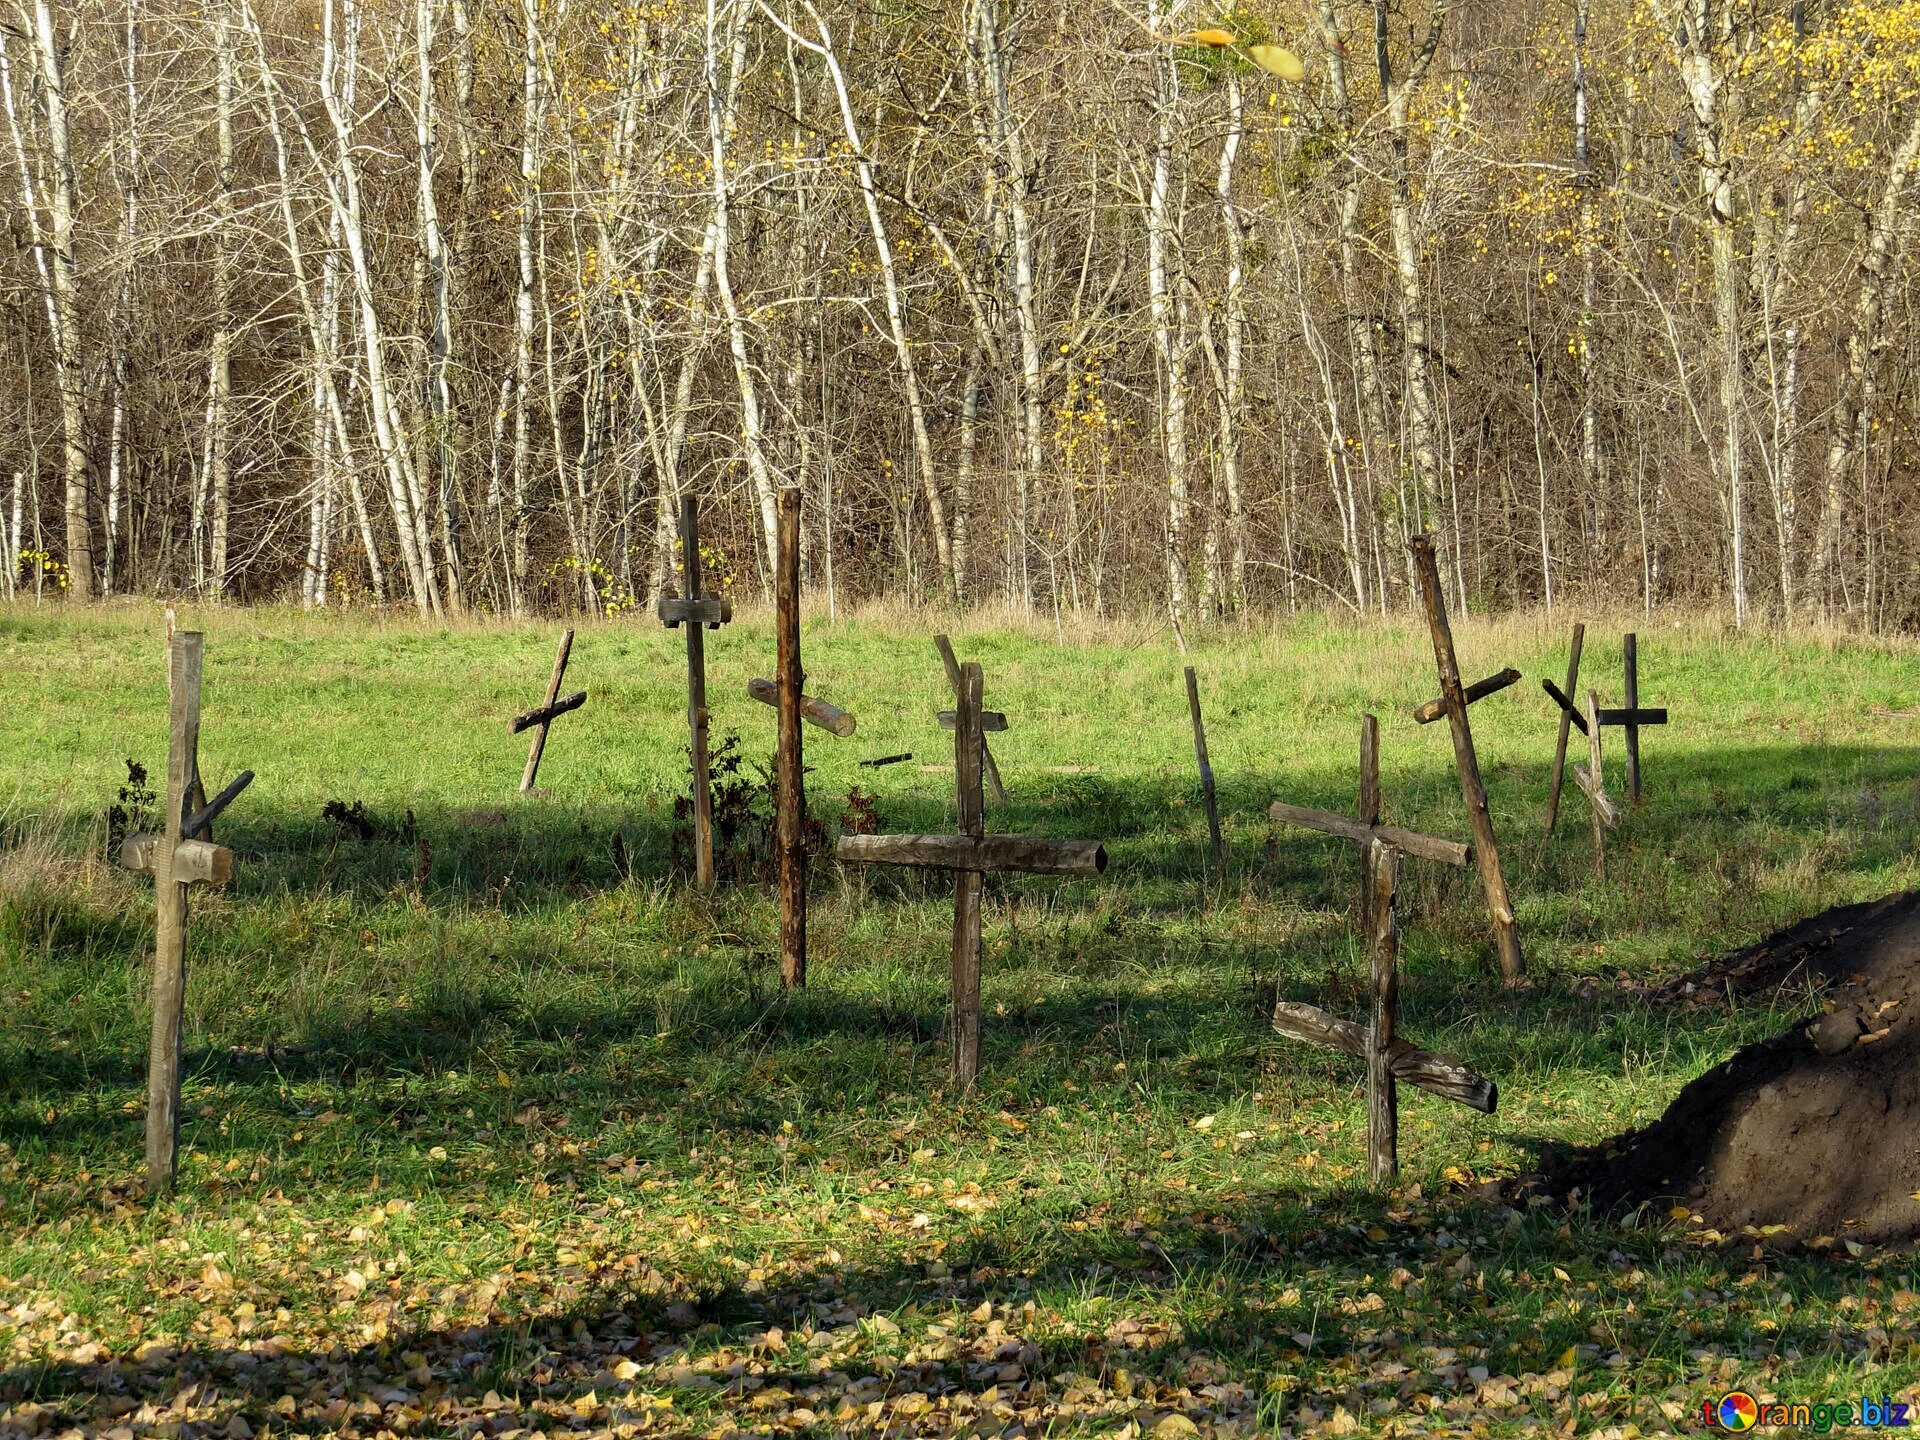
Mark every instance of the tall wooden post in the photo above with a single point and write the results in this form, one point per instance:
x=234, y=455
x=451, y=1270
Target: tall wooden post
x=1383, y=1123
x=1473, y=789
x=1369, y=811
x=690, y=587
x=792, y=798
x=184, y=655
x=1566, y=725
x=969, y=746
x=1216, y=850
x=1632, y=661
x=540, y=730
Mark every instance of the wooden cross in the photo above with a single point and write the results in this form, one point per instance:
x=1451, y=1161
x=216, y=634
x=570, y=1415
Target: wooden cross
x=1389, y=1058
x=1629, y=718
x=830, y=718
x=790, y=773
x=1592, y=783
x=1216, y=851
x=550, y=709
x=1567, y=717
x=1486, y=853
x=699, y=612
x=177, y=858
x=972, y=854
x=1433, y=710
x=991, y=721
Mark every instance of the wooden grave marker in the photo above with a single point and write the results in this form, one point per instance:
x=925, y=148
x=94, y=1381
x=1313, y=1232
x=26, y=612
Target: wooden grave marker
x=1389, y=1058
x=1566, y=725
x=1629, y=717
x=1216, y=850
x=1473, y=789
x=972, y=855
x=539, y=719
x=790, y=774
x=1431, y=710
x=1592, y=782
x=699, y=612
x=991, y=721
x=179, y=857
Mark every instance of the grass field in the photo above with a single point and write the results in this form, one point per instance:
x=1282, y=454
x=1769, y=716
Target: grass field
x=487, y=1134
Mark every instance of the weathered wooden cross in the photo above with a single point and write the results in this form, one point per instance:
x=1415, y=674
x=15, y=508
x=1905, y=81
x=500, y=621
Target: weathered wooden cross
x=699, y=612
x=971, y=855
x=1453, y=697
x=991, y=721
x=790, y=772
x=1567, y=716
x=1389, y=1058
x=1592, y=782
x=1432, y=710
x=181, y=855
x=1216, y=851
x=830, y=718
x=550, y=709
x=1629, y=718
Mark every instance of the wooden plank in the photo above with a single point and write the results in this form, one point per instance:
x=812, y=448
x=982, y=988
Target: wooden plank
x=200, y=824
x=791, y=780
x=184, y=663
x=1383, y=1121
x=1583, y=779
x=990, y=770
x=992, y=722
x=539, y=745
x=814, y=712
x=969, y=753
x=1473, y=790
x=879, y=760
x=1439, y=1075
x=195, y=862
x=712, y=611
x=978, y=854
x=544, y=717
x=1436, y=709
x=1567, y=718
x=697, y=719
x=1427, y=847
x=1216, y=850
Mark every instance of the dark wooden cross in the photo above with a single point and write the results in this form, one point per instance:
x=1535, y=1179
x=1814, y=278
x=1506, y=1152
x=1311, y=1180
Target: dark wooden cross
x=1389, y=1058
x=1216, y=850
x=699, y=612
x=991, y=721
x=1629, y=718
x=180, y=856
x=1592, y=783
x=550, y=709
x=1567, y=717
x=972, y=855
x=1473, y=789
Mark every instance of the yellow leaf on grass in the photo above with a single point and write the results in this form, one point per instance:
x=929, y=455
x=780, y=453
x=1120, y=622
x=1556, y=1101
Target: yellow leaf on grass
x=1279, y=61
x=1567, y=1358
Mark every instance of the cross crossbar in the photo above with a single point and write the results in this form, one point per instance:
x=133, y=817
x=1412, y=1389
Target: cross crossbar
x=985, y=855
x=992, y=722
x=712, y=611
x=1595, y=791
x=1426, y=847
x=1440, y=1075
x=195, y=862
x=951, y=663
x=1622, y=718
x=546, y=714
x=813, y=711
x=201, y=821
x=1436, y=709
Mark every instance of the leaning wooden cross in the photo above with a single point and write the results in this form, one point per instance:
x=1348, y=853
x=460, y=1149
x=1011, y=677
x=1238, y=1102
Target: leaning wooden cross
x=1389, y=1058
x=181, y=855
x=991, y=721
x=1473, y=789
x=1629, y=718
x=972, y=855
x=550, y=709
x=699, y=612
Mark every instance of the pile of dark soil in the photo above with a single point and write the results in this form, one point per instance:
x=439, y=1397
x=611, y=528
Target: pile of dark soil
x=1816, y=1129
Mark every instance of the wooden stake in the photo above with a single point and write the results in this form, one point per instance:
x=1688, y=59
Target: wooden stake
x=698, y=613
x=1632, y=663
x=988, y=768
x=540, y=732
x=969, y=751
x=1215, y=849
x=1566, y=724
x=1369, y=812
x=184, y=657
x=1473, y=790
x=1383, y=1123
x=791, y=781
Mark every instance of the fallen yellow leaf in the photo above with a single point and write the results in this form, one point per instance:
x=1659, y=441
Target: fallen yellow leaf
x=1278, y=61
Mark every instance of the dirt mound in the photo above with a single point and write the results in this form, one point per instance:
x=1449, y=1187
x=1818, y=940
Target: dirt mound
x=1817, y=1129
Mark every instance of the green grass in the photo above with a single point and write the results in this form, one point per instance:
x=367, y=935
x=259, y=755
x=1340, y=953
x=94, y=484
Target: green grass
x=542, y=1145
